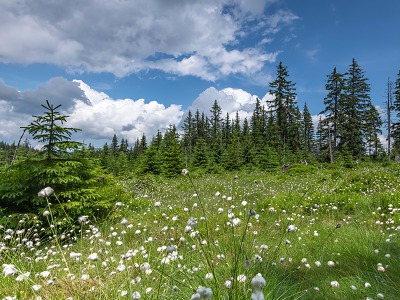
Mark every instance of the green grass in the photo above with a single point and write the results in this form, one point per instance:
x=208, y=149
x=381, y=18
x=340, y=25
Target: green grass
x=365, y=202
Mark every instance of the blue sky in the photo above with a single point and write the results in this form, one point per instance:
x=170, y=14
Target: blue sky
x=132, y=67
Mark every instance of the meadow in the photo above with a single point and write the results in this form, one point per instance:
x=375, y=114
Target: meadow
x=307, y=234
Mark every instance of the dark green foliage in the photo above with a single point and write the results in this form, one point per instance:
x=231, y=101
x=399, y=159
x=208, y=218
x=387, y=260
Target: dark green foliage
x=301, y=169
x=73, y=175
x=333, y=106
x=48, y=130
x=396, y=108
x=200, y=154
x=352, y=123
x=307, y=134
x=284, y=107
x=356, y=101
x=171, y=153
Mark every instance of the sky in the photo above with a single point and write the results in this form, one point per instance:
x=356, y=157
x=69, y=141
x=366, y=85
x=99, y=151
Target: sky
x=133, y=67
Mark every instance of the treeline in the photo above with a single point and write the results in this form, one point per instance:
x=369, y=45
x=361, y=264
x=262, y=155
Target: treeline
x=278, y=132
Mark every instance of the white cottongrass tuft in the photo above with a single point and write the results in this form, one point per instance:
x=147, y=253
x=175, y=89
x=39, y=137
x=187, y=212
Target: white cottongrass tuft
x=258, y=282
x=204, y=292
x=9, y=269
x=93, y=257
x=83, y=219
x=36, y=287
x=46, y=192
x=228, y=283
x=44, y=274
x=136, y=295
x=334, y=284
x=235, y=222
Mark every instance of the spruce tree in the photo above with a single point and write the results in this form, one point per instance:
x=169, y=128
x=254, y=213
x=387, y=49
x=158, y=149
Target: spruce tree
x=114, y=147
x=333, y=105
x=247, y=142
x=356, y=102
x=189, y=135
x=258, y=125
x=149, y=161
x=323, y=142
x=200, y=154
x=283, y=105
x=216, y=131
x=48, y=130
x=372, y=131
x=396, y=109
x=171, y=153
x=308, y=133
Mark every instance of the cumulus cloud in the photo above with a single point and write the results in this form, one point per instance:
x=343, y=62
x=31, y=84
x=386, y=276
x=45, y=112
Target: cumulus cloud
x=98, y=115
x=198, y=38
x=127, y=118
x=17, y=107
x=230, y=100
x=57, y=90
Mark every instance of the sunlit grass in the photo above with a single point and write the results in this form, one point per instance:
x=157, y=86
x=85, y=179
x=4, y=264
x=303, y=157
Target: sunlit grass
x=324, y=235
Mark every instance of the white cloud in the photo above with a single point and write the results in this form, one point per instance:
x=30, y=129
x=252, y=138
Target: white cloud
x=230, y=100
x=281, y=17
x=126, y=118
x=95, y=113
x=198, y=38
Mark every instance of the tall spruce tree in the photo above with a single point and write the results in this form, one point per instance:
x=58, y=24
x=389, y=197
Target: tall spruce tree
x=247, y=142
x=356, y=102
x=189, y=134
x=171, y=153
x=308, y=133
x=323, y=142
x=388, y=111
x=216, y=131
x=333, y=105
x=396, y=109
x=258, y=125
x=372, y=130
x=284, y=106
x=114, y=145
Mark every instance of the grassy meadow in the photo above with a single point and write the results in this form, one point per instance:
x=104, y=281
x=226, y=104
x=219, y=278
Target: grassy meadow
x=309, y=233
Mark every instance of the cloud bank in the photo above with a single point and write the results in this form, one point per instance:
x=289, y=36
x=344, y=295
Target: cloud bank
x=198, y=38
x=100, y=117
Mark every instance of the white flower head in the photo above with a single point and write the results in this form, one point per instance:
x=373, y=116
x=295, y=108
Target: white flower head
x=195, y=297
x=258, y=282
x=235, y=222
x=185, y=172
x=204, y=292
x=9, y=269
x=93, y=257
x=36, y=287
x=291, y=228
x=83, y=219
x=136, y=295
x=44, y=274
x=334, y=284
x=241, y=278
x=46, y=192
